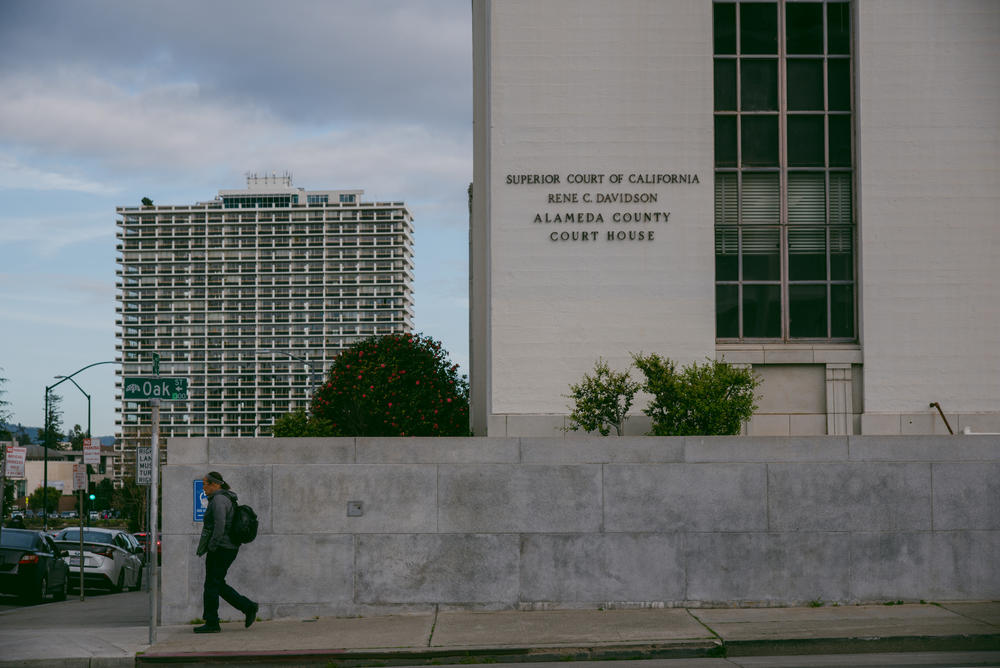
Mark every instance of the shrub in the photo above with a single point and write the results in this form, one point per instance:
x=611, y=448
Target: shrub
x=699, y=400
x=602, y=401
x=394, y=385
x=299, y=423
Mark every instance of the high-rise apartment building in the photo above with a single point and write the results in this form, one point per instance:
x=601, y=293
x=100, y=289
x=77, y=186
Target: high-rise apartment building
x=251, y=296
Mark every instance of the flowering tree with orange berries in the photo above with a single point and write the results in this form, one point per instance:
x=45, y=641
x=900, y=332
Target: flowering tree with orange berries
x=392, y=385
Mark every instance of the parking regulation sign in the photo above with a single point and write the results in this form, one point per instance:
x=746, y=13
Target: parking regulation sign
x=79, y=476
x=15, y=461
x=91, y=452
x=200, y=501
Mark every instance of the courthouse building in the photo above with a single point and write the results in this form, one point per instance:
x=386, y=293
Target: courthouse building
x=807, y=187
x=250, y=296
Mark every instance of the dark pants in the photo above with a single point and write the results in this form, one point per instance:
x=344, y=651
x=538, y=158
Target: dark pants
x=217, y=564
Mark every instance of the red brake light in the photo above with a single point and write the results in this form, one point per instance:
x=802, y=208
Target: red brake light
x=28, y=559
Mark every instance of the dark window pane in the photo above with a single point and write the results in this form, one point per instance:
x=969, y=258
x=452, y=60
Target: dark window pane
x=725, y=141
x=760, y=141
x=761, y=255
x=840, y=141
x=725, y=28
x=727, y=254
x=805, y=85
x=839, y=26
x=759, y=28
x=759, y=85
x=807, y=254
x=804, y=28
x=839, y=73
x=807, y=311
x=725, y=85
x=762, y=311
x=842, y=310
x=841, y=254
x=727, y=311
x=805, y=141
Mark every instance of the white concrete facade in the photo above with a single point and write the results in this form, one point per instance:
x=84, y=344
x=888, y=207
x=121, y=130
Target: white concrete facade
x=595, y=87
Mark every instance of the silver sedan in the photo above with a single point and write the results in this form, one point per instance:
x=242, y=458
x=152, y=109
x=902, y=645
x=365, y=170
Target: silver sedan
x=110, y=557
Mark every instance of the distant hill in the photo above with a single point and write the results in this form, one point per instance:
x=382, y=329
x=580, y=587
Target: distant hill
x=32, y=433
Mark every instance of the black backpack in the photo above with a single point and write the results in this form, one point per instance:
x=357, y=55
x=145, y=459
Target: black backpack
x=244, y=526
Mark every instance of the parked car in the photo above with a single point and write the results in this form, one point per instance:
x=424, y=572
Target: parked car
x=143, y=541
x=32, y=565
x=68, y=514
x=111, y=557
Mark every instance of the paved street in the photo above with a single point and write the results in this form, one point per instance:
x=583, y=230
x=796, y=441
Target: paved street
x=907, y=660
x=100, y=609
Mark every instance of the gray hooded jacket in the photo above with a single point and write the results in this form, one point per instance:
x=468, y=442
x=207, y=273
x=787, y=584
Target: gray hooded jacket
x=218, y=519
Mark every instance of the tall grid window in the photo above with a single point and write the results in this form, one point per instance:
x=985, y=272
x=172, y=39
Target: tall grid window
x=784, y=214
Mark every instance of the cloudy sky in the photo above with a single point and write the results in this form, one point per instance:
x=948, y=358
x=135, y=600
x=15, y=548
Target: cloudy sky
x=108, y=101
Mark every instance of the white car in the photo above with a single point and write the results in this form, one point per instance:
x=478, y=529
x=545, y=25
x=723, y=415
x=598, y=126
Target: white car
x=110, y=557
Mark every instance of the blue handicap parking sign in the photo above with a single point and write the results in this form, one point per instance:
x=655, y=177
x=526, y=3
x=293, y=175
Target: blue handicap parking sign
x=200, y=501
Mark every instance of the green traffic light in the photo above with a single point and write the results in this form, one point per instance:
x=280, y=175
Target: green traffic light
x=93, y=496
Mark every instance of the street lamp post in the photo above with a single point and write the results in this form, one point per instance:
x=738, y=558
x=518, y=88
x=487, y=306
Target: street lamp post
x=49, y=388
x=82, y=463
x=89, y=435
x=312, y=369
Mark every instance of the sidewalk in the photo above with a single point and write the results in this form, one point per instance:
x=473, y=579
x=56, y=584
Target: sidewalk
x=512, y=636
x=559, y=635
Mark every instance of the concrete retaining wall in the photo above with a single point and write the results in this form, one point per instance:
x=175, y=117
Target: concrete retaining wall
x=583, y=522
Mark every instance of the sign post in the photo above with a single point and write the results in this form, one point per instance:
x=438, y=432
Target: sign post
x=153, y=511
x=154, y=390
x=80, y=483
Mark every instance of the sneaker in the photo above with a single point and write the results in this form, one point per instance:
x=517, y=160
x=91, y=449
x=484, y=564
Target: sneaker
x=251, y=616
x=208, y=628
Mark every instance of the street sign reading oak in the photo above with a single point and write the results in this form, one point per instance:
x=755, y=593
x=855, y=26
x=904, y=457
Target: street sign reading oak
x=139, y=388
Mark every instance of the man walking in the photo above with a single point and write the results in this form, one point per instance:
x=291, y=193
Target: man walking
x=221, y=553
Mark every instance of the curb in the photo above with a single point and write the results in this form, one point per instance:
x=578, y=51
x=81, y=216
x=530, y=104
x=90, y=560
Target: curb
x=441, y=656
x=711, y=649
x=863, y=645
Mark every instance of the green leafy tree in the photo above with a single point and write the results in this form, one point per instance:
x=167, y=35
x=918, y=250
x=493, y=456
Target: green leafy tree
x=104, y=492
x=147, y=202
x=51, y=433
x=130, y=500
x=47, y=497
x=393, y=385
x=601, y=401
x=300, y=423
x=75, y=437
x=710, y=399
x=5, y=414
x=8, y=495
